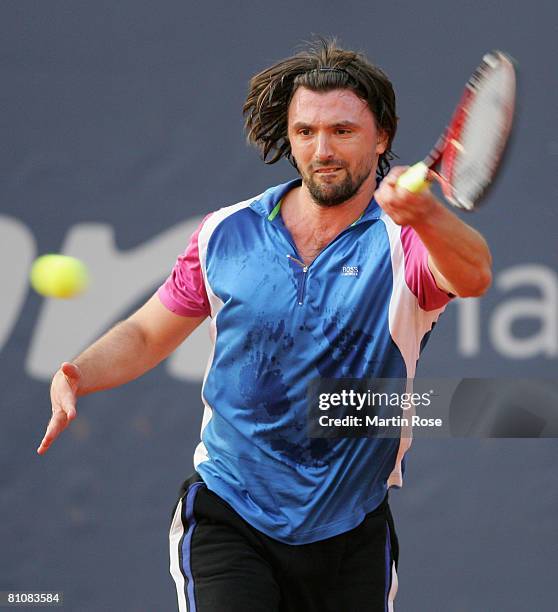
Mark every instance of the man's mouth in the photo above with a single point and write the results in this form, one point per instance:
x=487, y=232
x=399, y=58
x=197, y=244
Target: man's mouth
x=327, y=170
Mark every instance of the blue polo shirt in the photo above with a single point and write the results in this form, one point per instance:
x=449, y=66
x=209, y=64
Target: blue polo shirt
x=362, y=308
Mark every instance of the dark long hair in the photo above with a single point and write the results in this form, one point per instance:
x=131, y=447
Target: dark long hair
x=323, y=66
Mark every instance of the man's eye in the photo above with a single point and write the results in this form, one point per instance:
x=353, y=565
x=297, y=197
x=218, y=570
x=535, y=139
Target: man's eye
x=343, y=131
x=304, y=132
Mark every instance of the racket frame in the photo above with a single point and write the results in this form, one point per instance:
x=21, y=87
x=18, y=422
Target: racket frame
x=448, y=146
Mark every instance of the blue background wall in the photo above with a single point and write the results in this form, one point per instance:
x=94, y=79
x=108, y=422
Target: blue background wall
x=121, y=126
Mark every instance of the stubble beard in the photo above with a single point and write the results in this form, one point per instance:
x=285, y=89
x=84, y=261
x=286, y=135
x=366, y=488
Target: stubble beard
x=335, y=193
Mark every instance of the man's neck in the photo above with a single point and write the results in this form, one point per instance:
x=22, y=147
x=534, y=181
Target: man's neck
x=300, y=207
x=313, y=226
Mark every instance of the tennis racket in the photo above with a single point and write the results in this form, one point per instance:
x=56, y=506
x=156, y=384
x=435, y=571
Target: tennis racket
x=468, y=154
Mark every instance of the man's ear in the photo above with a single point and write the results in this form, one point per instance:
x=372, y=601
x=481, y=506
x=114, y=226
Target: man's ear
x=382, y=142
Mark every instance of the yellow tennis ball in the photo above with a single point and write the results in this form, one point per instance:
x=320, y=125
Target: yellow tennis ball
x=58, y=276
x=415, y=178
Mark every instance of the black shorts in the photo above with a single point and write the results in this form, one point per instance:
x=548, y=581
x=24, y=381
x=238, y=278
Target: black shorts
x=220, y=563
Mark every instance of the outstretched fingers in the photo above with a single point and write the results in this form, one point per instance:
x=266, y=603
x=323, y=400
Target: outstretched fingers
x=57, y=424
x=63, y=396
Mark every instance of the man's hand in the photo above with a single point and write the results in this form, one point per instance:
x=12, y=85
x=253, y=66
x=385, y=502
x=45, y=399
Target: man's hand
x=63, y=396
x=458, y=255
x=404, y=207
x=128, y=350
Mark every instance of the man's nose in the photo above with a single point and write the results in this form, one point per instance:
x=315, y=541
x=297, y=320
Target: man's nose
x=324, y=149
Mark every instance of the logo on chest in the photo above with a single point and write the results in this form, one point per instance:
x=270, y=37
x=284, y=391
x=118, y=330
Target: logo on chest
x=349, y=271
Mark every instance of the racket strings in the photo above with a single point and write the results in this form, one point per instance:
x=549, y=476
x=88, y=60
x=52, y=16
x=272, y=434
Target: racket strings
x=480, y=133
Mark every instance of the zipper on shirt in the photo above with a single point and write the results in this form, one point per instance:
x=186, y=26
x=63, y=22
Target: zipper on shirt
x=302, y=283
x=304, y=267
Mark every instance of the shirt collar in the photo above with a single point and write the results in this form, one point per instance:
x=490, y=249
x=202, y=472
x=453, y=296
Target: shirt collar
x=268, y=203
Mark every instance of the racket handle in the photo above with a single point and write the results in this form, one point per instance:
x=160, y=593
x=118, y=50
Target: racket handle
x=415, y=179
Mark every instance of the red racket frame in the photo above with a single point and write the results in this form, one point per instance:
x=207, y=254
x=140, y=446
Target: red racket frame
x=446, y=150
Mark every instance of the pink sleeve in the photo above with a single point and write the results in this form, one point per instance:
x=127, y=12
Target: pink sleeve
x=184, y=290
x=417, y=273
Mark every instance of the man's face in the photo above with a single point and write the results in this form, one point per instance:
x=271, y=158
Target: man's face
x=335, y=142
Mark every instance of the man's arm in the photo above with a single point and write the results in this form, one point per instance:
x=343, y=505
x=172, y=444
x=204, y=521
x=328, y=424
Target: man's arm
x=128, y=350
x=458, y=256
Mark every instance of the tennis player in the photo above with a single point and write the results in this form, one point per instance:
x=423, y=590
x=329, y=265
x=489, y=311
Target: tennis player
x=328, y=275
